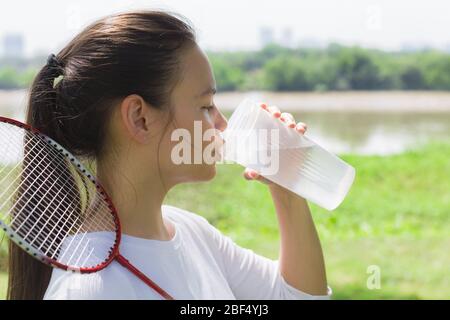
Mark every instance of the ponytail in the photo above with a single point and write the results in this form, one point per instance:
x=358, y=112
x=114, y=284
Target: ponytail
x=28, y=277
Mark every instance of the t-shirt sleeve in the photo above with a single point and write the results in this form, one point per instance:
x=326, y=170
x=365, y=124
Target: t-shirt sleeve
x=252, y=276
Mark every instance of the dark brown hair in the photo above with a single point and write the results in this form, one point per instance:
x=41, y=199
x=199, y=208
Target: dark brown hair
x=129, y=53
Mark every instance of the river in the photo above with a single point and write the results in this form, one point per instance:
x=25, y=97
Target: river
x=349, y=122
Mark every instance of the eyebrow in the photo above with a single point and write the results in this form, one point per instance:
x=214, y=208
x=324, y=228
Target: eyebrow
x=210, y=90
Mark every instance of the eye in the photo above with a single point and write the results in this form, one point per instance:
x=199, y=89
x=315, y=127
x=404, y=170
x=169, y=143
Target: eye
x=208, y=107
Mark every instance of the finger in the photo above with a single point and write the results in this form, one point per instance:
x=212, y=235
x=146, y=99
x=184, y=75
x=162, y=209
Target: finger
x=301, y=127
x=274, y=111
x=253, y=175
x=250, y=174
x=288, y=119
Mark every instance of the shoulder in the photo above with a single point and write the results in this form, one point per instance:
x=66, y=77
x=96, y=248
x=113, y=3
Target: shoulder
x=197, y=226
x=109, y=283
x=186, y=218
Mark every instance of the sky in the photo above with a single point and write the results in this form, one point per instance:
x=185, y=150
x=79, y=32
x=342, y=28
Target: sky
x=47, y=25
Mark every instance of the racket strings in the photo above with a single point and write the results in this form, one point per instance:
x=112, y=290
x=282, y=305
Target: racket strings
x=56, y=174
x=49, y=204
x=63, y=174
x=18, y=201
x=62, y=197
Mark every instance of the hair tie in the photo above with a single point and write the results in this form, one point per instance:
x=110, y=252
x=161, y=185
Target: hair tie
x=55, y=67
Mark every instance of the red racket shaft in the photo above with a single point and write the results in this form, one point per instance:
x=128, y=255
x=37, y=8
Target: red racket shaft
x=124, y=262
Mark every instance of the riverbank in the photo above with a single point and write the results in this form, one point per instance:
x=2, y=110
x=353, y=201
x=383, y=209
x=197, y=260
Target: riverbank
x=14, y=102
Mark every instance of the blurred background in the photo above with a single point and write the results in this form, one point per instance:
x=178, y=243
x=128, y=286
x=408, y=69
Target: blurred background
x=371, y=79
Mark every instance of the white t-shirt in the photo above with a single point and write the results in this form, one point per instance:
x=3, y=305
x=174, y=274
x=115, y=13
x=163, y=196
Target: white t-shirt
x=199, y=262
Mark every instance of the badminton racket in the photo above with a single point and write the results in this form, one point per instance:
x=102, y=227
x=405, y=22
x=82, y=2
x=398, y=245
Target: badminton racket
x=54, y=208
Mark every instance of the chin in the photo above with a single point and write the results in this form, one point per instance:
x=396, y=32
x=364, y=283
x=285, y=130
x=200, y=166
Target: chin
x=207, y=172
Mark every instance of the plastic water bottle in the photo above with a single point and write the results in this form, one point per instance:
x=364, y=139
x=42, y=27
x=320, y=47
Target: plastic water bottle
x=257, y=140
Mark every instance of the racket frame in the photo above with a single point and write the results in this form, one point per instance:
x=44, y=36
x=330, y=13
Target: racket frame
x=13, y=236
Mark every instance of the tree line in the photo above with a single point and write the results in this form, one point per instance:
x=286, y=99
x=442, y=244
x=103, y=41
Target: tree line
x=278, y=68
x=332, y=68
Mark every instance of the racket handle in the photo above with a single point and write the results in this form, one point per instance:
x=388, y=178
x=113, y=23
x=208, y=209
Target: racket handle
x=125, y=263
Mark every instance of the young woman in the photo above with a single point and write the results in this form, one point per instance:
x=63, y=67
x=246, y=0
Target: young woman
x=128, y=81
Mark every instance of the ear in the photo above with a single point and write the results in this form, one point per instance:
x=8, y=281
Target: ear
x=136, y=117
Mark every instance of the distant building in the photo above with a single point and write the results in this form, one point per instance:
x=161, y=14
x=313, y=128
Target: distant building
x=13, y=45
x=286, y=39
x=266, y=36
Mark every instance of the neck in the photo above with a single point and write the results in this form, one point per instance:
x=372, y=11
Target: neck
x=138, y=196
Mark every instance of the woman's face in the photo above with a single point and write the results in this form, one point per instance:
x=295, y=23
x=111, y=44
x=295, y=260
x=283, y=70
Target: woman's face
x=186, y=150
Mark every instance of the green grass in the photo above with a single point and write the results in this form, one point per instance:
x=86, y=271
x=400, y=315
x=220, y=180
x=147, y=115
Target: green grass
x=3, y=285
x=396, y=216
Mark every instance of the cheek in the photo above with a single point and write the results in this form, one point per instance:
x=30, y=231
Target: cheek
x=197, y=123
x=194, y=125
